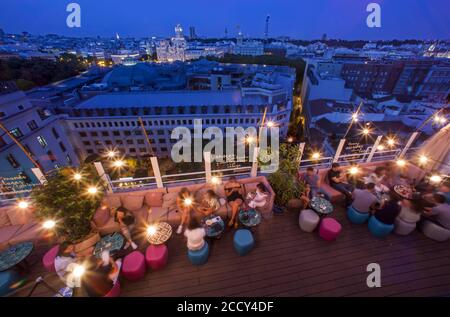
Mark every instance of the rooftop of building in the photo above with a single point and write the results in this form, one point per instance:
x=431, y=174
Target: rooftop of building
x=170, y=98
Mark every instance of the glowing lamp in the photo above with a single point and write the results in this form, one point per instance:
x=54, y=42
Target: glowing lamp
x=316, y=155
x=151, y=230
x=250, y=139
x=401, y=163
x=365, y=131
x=436, y=179
x=77, y=176
x=380, y=147
x=290, y=139
x=390, y=142
x=423, y=159
x=92, y=190
x=23, y=204
x=442, y=120
x=188, y=201
x=270, y=124
x=119, y=163
x=49, y=224
x=215, y=180
x=354, y=170
x=437, y=119
x=355, y=117
x=111, y=154
x=78, y=271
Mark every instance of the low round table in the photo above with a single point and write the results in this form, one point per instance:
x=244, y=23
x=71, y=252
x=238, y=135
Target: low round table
x=15, y=255
x=214, y=226
x=250, y=218
x=112, y=243
x=321, y=205
x=162, y=234
x=406, y=192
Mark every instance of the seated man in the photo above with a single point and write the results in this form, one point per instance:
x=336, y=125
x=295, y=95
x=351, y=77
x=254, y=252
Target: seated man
x=337, y=182
x=364, y=199
x=312, y=179
x=445, y=190
x=440, y=213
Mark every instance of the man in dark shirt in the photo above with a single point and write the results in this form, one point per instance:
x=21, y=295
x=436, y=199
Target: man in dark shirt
x=390, y=210
x=337, y=182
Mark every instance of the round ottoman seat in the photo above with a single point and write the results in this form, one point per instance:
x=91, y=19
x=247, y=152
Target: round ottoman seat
x=403, y=228
x=356, y=217
x=156, y=256
x=243, y=241
x=199, y=257
x=7, y=280
x=434, y=231
x=308, y=220
x=48, y=261
x=378, y=228
x=133, y=267
x=329, y=229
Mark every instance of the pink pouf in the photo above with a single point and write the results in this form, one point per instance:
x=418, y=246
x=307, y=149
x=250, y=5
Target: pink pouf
x=156, y=256
x=133, y=267
x=329, y=229
x=49, y=259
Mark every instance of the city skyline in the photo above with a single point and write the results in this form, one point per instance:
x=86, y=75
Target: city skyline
x=342, y=19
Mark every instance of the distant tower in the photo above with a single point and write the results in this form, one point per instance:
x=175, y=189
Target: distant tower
x=178, y=31
x=266, y=30
x=324, y=37
x=117, y=36
x=192, y=34
x=226, y=33
x=240, y=37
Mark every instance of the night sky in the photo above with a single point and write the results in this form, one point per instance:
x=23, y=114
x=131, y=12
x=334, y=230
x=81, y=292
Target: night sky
x=304, y=19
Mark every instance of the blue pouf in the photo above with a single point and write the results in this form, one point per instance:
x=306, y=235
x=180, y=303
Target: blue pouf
x=356, y=217
x=243, y=241
x=379, y=229
x=199, y=257
x=7, y=279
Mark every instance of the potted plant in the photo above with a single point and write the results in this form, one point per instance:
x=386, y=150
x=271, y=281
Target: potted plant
x=70, y=198
x=284, y=181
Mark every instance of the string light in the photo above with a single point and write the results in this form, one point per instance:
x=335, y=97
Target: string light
x=151, y=230
x=354, y=170
x=23, y=204
x=423, y=159
x=49, y=224
x=401, y=163
x=436, y=179
x=92, y=190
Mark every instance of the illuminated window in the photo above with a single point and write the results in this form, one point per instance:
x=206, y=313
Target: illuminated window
x=42, y=141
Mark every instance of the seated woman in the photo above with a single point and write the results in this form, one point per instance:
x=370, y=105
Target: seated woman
x=185, y=204
x=389, y=210
x=209, y=204
x=259, y=199
x=411, y=210
x=306, y=195
x=440, y=212
x=377, y=177
x=100, y=275
x=233, y=191
x=64, y=258
x=195, y=235
x=125, y=220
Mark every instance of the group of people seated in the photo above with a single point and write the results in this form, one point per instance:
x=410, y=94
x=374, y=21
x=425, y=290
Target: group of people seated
x=374, y=194
x=100, y=273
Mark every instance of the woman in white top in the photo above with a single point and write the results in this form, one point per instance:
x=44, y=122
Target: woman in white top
x=259, y=199
x=377, y=178
x=195, y=235
x=63, y=260
x=411, y=211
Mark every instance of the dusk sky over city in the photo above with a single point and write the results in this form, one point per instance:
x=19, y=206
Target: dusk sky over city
x=302, y=19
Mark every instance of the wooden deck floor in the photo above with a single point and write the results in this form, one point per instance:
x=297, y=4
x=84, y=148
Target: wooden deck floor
x=289, y=262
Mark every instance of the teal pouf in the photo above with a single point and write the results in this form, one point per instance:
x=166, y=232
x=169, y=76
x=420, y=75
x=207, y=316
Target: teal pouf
x=7, y=279
x=243, y=241
x=199, y=257
x=356, y=217
x=379, y=229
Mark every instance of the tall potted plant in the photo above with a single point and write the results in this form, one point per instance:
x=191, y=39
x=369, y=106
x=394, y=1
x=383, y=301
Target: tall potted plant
x=70, y=198
x=284, y=181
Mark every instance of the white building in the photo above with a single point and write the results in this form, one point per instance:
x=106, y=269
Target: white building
x=173, y=49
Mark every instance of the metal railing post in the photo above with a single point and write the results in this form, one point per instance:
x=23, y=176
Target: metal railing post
x=408, y=144
x=254, y=170
x=374, y=148
x=207, y=156
x=101, y=172
x=339, y=150
x=156, y=172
